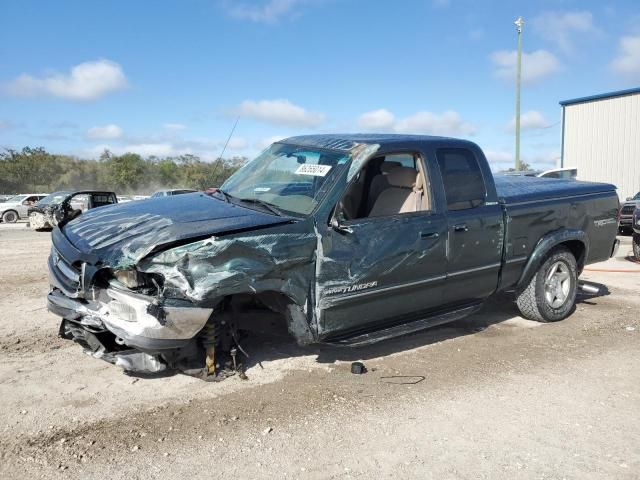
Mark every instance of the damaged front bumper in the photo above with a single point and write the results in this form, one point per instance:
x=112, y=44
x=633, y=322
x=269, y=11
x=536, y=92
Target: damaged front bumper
x=130, y=330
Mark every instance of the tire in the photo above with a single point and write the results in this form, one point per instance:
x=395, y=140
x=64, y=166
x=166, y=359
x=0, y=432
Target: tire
x=550, y=296
x=10, y=216
x=636, y=245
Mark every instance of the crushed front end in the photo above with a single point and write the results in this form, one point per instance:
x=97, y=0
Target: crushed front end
x=121, y=316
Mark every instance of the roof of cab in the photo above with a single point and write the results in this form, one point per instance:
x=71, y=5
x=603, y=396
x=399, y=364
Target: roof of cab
x=346, y=142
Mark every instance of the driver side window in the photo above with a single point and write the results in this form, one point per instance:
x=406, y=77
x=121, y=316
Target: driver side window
x=388, y=185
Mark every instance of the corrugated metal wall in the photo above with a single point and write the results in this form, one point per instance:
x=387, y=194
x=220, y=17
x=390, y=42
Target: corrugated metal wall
x=602, y=139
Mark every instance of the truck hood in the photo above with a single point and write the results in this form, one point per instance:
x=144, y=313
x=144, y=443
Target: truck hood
x=123, y=234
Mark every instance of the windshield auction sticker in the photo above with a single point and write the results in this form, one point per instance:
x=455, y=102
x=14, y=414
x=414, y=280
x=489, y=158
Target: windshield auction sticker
x=313, y=169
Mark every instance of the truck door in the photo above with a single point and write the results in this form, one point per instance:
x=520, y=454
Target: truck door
x=388, y=264
x=475, y=228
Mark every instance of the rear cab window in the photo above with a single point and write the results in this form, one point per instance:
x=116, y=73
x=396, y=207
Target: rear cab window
x=462, y=178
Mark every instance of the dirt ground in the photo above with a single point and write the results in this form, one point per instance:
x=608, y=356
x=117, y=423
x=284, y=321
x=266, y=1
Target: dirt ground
x=514, y=400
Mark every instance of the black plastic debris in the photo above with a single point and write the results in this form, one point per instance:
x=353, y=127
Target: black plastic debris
x=358, y=368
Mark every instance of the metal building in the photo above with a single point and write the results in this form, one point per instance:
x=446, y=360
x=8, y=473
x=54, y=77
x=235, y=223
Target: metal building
x=601, y=137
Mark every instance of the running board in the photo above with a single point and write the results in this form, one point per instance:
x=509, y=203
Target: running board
x=363, y=339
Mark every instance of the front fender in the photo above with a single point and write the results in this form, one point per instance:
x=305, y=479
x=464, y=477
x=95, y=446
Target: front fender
x=547, y=243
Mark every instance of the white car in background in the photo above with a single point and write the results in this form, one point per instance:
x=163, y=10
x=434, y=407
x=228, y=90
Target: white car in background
x=568, y=173
x=16, y=207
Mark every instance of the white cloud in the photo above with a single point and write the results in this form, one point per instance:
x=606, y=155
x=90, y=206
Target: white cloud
x=6, y=124
x=86, y=81
x=265, y=142
x=530, y=120
x=560, y=28
x=269, y=11
x=381, y=119
x=446, y=123
x=104, y=132
x=627, y=63
x=174, y=126
x=535, y=65
x=422, y=122
x=279, y=112
x=163, y=146
x=237, y=143
x=505, y=159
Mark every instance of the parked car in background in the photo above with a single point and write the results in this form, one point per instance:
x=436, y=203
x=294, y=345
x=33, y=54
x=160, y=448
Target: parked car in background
x=4, y=198
x=170, y=193
x=17, y=207
x=625, y=223
x=343, y=239
x=66, y=205
x=566, y=173
x=140, y=197
x=124, y=198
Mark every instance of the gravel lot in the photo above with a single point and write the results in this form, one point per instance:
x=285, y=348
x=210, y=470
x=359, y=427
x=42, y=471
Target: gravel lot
x=514, y=400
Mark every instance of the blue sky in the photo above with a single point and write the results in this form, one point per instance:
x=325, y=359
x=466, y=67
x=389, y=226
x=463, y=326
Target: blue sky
x=170, y=77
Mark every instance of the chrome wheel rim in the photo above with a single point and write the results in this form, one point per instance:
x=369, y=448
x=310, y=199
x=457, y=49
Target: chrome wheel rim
x=10, y=217
x=557, y=285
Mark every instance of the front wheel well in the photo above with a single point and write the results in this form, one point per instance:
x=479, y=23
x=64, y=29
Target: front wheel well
x=268, y=312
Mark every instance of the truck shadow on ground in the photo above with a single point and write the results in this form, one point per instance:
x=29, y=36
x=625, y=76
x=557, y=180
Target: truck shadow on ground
x=277, y=344
x=496, y=310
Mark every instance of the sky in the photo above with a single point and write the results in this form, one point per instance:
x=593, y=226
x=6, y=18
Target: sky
x=167, y=78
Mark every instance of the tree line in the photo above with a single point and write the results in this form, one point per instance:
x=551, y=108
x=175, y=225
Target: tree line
x=34, y=170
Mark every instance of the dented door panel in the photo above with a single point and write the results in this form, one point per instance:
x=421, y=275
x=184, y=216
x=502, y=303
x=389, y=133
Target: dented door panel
x=386, y=268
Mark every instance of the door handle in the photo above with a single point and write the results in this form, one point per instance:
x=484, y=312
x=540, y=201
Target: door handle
x=461, y=227
x=429, y=234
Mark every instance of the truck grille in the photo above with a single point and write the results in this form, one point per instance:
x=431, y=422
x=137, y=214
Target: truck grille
x=628, y=210
x=68, y=275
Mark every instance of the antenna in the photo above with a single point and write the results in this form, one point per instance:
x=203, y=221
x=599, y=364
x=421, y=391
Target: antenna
x=229, y=137
x=219, y=159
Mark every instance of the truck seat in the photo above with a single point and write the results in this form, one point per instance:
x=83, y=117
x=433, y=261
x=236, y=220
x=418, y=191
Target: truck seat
x=380, y=182
x=400, y=196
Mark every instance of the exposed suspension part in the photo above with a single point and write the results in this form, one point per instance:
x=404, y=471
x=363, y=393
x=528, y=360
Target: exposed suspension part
x=209, y=337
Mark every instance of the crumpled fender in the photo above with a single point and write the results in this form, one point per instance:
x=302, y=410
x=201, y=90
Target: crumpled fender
x=279, y=259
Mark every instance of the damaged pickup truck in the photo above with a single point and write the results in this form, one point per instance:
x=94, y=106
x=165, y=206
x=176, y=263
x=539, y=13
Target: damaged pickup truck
x=345, y=239
x=64, y=206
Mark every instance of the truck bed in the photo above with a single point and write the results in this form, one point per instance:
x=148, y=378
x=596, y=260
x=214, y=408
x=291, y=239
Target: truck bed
x=512, y=190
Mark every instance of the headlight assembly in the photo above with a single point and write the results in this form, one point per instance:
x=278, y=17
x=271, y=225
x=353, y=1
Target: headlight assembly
x=148, y=283
x=130, y=278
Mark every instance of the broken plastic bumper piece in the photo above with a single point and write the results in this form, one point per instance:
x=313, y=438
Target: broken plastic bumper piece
x=135, y=320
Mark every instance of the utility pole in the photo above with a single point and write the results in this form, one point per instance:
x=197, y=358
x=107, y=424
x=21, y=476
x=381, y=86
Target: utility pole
x=519, y=23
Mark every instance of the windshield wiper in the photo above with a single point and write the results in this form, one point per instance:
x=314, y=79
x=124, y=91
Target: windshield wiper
x=227, y=196
x=269, y=206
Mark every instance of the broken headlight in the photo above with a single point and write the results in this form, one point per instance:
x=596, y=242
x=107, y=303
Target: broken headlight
x=135, y=280
x=130, y=278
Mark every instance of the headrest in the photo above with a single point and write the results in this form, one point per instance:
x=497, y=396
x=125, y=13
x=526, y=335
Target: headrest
x=404, y=177
x=386, y=167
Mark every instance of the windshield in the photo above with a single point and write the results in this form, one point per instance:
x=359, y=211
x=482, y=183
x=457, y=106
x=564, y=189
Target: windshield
x=54, y=199
x=637, y=196
x=17, y=199
x=289, y=177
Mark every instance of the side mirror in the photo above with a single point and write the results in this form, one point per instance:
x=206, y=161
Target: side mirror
x=339, y=227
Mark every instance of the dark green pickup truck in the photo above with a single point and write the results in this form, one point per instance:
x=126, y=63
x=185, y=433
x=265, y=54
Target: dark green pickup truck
x=345, y=239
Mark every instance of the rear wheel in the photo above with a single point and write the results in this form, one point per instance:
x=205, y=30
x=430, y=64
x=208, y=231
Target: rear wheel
x=10, y=216
x=551, y=294
x=636, y=245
